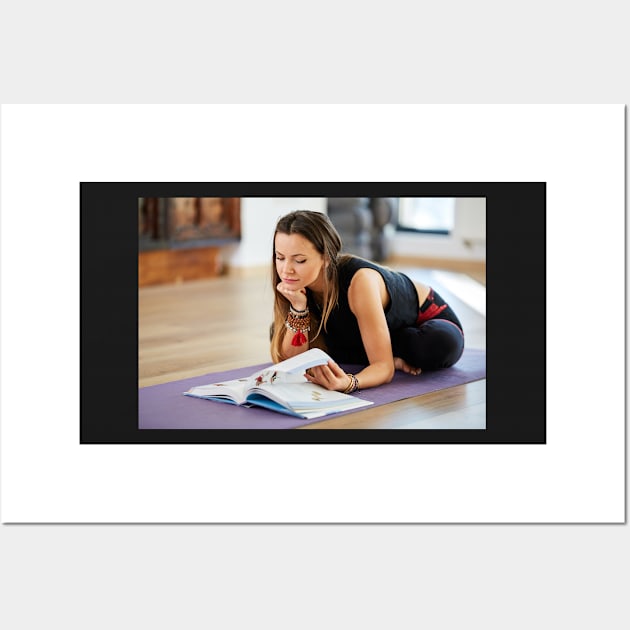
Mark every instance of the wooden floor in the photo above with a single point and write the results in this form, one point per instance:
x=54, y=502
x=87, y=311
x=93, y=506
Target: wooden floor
x=206, y=326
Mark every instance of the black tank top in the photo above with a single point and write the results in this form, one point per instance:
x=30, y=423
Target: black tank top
x=342, y=335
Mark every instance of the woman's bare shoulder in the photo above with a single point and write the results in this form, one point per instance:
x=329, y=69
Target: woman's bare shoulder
x=367, y=283
x=366, y=277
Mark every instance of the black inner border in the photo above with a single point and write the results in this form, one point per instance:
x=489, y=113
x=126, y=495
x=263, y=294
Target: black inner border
x=516, y=312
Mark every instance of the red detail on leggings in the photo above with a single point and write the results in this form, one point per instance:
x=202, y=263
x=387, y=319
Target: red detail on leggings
x=432, y=311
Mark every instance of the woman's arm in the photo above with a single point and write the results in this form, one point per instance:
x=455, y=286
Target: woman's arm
x=367, y=296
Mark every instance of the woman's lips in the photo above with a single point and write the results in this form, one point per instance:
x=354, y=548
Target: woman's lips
x=290, y=280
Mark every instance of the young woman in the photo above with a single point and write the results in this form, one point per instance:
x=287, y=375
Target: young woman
x=356, y=310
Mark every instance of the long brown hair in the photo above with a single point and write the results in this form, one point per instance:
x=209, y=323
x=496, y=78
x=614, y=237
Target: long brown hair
x=318, y=229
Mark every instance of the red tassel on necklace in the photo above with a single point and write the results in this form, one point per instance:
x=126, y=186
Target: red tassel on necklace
x=299, y=339
x=298, y=322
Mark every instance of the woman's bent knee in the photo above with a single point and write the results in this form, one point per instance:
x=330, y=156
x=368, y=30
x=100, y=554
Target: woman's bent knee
x=435, y=344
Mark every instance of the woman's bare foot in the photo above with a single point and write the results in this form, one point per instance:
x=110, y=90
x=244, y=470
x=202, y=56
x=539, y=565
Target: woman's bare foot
x=399, y=364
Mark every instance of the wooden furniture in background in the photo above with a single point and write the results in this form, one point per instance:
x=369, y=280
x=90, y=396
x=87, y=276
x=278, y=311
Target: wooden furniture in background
x=180, y=238
x=164, y=266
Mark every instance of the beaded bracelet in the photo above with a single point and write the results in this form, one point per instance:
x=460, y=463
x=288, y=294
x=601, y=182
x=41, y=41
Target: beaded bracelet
x=353, y=386
x=298, y=322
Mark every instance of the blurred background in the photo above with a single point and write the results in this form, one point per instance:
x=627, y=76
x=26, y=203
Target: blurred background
x=185, y=238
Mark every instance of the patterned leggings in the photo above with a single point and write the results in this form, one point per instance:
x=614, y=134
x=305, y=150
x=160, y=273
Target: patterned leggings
x=437, y=339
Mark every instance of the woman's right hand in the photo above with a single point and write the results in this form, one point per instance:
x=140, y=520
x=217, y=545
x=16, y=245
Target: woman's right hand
x=297, y=298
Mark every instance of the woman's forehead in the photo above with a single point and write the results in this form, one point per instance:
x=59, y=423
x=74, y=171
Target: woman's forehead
x=293, y=244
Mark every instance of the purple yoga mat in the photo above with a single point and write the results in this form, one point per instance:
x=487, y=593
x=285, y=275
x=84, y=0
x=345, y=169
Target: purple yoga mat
x=165, y=407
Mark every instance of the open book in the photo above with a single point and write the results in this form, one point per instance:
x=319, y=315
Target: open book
x=284, y=388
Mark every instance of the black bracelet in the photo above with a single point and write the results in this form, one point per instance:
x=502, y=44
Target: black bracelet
x=298, y=313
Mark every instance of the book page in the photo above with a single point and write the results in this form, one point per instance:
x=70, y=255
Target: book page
x=306, y=396
x=299, y=363
x=232, y=390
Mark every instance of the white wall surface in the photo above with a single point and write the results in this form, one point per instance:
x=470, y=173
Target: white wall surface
x=259, y=216
x=467, y=241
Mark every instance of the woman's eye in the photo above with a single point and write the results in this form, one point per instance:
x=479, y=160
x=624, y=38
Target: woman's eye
x=299, y=262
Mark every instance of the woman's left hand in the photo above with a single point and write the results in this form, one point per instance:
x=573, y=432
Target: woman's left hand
x=330, y=376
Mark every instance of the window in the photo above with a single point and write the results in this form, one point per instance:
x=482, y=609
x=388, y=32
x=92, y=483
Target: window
x=429, y=215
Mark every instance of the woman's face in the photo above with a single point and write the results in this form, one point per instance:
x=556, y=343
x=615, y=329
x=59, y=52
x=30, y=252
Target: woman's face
x=298, y=263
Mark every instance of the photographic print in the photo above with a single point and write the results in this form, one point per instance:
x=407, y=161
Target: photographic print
x=210, y=282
